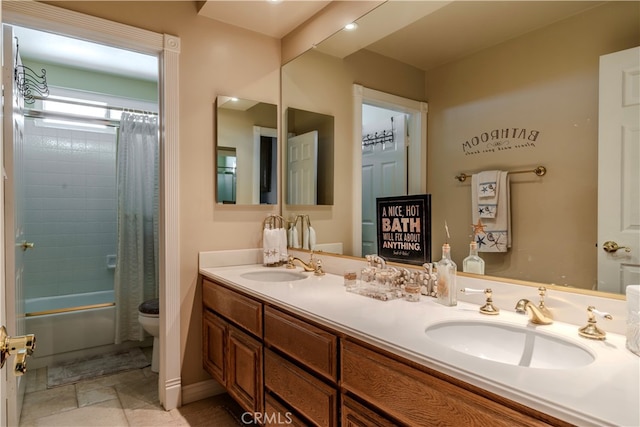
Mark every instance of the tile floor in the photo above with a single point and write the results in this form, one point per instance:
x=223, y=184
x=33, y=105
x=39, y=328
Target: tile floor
x=124, y=399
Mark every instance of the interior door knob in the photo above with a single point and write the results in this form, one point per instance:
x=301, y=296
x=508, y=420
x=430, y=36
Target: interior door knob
x=613, y=247
x=27, y=245
x=22, y=346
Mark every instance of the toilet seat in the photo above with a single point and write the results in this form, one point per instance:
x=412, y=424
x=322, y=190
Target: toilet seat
x=150, y=308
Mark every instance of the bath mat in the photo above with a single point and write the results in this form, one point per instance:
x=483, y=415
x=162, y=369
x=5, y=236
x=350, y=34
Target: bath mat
x=95, y=366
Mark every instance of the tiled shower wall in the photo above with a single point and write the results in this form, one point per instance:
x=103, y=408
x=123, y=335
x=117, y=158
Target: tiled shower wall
x=70, y=210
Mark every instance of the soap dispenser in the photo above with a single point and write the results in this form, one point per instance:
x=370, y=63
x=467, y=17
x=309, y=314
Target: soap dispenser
x=446, y=285
x=473, y=263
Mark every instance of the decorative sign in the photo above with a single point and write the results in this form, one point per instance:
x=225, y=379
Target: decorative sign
x=504, y=139
x=404, y=228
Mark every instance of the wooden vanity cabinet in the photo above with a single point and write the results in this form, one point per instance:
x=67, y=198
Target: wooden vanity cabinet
x=295, y=371
x=232, y=355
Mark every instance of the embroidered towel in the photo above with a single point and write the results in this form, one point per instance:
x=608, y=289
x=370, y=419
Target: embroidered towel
x=492, y=233
x=270, y=246
x=487, y=187
x=487, y=184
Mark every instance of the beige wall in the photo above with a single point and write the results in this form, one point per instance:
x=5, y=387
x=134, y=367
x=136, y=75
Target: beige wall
x=323, y=84
x=215, y=59
x=545, y=81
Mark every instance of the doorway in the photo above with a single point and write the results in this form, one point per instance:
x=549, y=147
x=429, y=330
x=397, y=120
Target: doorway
x=167, y=48
x=414, y=131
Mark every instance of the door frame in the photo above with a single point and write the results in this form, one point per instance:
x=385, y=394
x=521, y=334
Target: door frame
x=167, y=48
x=417, y=158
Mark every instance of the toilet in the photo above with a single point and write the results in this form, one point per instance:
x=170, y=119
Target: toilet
x=149, y=318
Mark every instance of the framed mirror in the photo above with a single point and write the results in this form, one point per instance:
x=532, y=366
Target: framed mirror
x=246, y=152
x=309, y=158
x=534, y=71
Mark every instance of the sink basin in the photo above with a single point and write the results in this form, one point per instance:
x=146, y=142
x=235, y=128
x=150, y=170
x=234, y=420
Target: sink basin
x=510, y=344
x=274, y=276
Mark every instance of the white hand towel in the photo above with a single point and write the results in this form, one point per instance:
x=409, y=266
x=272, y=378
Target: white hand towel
x=295, y=242
x=305, y=238
x=270, y=246
x=312, y=238
x=492, y=234
x=282, y=241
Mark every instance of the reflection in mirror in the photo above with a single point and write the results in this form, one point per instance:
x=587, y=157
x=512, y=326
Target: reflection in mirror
x=246, y=151
x=533, y=72
x=227, y=175
x=309, y=158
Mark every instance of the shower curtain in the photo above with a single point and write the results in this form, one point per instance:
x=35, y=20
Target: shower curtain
x=136, y=274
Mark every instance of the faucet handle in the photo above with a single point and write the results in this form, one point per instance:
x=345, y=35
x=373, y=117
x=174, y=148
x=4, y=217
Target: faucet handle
x=488, y=307
x=591, y=330
x=318, y=268
x=542, y=291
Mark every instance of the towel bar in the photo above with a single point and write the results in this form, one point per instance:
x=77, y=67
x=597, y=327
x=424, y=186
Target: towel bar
x=540, y=171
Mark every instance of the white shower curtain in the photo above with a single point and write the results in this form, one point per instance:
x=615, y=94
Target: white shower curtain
x=136, y=275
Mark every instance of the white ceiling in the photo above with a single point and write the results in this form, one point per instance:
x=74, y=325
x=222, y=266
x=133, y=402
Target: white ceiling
x=273, y=18
x=427, y=34
x=423, y=33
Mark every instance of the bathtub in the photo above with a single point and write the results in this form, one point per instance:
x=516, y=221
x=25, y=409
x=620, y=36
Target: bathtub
x=69, y=323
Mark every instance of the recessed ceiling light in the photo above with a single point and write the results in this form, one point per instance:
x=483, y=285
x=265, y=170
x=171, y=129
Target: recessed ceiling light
x=350, y=27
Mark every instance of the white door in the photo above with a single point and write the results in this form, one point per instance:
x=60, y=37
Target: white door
x=619, y=171
x=302, y=161
x=384, y=174
x=13, y=138
x=3, y=316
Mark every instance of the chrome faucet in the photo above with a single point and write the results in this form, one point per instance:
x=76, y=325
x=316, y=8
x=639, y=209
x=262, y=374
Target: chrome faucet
x=536, y=315
x=311, y=265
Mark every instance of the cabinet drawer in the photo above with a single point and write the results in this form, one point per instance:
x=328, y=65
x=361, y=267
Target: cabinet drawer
x=276, y=414
x=417, y=398
x=309, y=396
x=312, y=346
x=237, y=308
x=356, y=415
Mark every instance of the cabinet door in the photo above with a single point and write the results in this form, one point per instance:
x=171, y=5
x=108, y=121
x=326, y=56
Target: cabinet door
x=214, y=346
x=244, y=375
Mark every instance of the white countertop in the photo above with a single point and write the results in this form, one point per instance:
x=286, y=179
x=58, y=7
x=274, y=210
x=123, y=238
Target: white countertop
x=605, y=392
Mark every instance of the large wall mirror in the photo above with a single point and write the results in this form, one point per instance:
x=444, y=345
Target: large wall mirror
x=246, y=151
x=510, y=86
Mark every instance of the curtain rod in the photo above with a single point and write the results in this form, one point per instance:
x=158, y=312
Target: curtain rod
x=89, y=104
x=39, y=114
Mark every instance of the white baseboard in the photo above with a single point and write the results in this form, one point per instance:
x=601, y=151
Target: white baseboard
x=201, y=390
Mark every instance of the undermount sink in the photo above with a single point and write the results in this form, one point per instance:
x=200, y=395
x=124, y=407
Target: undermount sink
x=274, y=276
x=510, y=344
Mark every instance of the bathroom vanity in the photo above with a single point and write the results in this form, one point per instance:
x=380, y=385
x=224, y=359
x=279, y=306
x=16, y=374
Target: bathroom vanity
x=300, y=348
